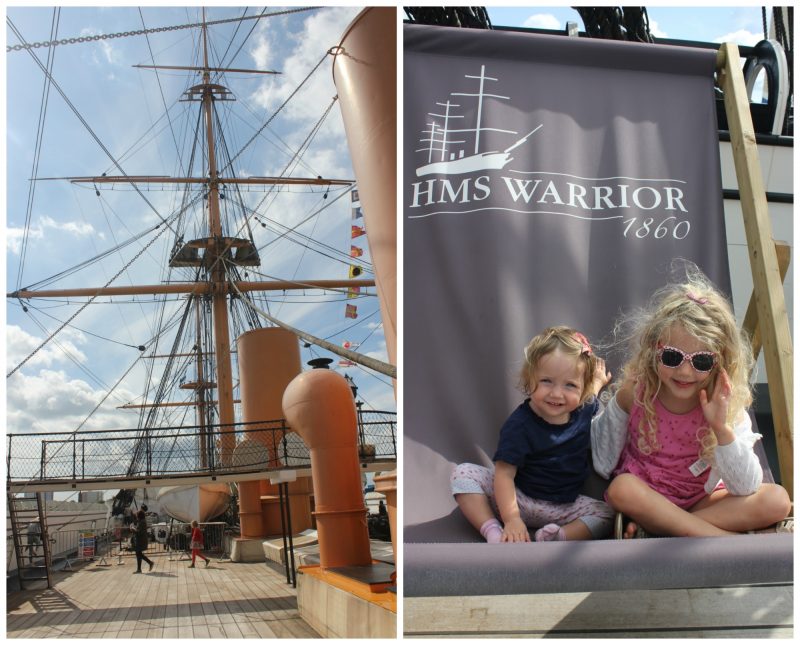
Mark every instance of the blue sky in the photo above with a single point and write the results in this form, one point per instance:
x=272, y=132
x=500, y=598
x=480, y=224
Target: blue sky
x=123, y=106
x=741, y=24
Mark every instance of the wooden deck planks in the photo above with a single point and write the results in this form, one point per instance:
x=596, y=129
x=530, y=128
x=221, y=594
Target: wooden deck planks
x=676, y=613
x=226, y=600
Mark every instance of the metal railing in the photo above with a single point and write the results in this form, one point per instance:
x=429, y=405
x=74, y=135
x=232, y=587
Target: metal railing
x=174, y=451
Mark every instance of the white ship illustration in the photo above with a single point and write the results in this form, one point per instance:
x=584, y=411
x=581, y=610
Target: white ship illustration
x=442, y=139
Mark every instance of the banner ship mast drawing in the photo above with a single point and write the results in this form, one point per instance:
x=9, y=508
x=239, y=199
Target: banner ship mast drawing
x=437, y=137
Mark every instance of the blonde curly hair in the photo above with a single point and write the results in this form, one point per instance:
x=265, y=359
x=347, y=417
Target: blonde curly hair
x=696, y=305
x=571, y=343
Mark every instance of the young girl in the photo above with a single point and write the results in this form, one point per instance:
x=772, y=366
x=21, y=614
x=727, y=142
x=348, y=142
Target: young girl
x=542, y=457
x=196, y=544
x=676, y=436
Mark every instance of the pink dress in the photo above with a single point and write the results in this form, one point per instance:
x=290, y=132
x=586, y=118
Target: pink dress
x=667, y=470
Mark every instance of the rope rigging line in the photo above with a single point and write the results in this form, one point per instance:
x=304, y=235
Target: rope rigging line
x=140, y=348
x=92, y=377
x=299, y=224
x=86, y=124
x=233, y=37
x=37, y=149
x=86, y=304
x=97, y=258
x=274, y=114
x=286, y=168
x=355, y=324
x=337, y=255
x=366, y=361
x=244, y=41
x=295, y=159
x=154, y=30
x=161, y=391
x=162, y=328
x=161, y=92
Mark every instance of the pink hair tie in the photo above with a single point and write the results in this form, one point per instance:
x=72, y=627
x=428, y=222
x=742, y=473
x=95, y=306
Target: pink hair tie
x=697, y=299
x=587, y=348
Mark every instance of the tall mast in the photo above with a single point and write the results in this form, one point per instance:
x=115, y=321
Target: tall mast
x=213, y=253
x=219, y=296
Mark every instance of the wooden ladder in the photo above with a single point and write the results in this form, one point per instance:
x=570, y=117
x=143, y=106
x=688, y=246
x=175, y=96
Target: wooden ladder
x=23, y=512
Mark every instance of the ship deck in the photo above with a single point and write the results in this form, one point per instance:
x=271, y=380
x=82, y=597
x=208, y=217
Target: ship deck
x=225, y=600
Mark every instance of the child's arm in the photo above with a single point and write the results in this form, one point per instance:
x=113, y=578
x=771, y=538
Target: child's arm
x=608, y=434
x=736, y=462
x=505, y=494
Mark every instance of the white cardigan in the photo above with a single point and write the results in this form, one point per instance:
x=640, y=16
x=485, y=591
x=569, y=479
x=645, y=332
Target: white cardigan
x=736, y=464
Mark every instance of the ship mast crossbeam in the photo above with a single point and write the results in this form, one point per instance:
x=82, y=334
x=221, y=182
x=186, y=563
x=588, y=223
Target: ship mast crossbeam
x=194, y=288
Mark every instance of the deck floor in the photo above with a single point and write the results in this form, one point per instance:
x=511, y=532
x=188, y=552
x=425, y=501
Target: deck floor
x=225, y=600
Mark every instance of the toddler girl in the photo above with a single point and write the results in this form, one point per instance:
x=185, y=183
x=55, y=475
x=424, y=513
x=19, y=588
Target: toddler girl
x=542, y=457
x=196, y=544
x=676, y=436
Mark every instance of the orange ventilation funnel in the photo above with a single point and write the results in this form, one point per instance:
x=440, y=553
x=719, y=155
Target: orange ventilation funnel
x=318, y=405
x=365, y=75
x=268, y=360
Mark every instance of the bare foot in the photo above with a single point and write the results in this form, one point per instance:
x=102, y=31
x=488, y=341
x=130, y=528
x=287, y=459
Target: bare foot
x=630, y=531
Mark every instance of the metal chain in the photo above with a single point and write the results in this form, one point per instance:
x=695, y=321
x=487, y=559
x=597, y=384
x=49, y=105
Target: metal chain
x=154, y=30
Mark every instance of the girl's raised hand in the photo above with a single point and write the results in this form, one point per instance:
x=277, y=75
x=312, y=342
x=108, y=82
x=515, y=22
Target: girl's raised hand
x=715, y=409
x=601, y=377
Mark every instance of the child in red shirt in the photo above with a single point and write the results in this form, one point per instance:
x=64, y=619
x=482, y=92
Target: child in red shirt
x=197, y=544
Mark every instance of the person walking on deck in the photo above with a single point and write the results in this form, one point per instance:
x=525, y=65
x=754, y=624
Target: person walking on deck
x=141, y=542
x=197, y=544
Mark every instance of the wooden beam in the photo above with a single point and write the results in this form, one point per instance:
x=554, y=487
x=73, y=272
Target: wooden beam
x=168, y=404
x=209, y=69
x=162, y=179
x=750, y=322
x=773, y=320
x=196, y=288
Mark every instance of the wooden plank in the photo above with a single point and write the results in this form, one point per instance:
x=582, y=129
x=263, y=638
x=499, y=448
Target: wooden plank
x=654, y=612
x=227, y=600
x=750, y=322
x=770, y=303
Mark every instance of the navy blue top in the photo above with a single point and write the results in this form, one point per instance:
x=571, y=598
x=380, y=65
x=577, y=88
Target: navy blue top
x=552, y=460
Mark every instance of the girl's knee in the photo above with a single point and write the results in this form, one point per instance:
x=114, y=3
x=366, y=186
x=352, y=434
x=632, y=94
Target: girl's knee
x=469, y=478
x=774, y=503
x=624, y=492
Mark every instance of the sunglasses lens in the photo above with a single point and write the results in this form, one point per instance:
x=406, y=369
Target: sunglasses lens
x=703, y=362
x=672, y=358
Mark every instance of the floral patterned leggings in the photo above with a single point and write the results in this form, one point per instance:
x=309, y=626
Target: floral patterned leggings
x=595, y=514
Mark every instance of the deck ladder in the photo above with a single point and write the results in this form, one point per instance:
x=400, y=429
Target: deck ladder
x=33, y=560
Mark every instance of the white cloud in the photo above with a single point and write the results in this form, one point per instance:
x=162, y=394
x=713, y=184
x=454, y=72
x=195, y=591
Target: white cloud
x=109, y=53
x=740, y=37
x=19, y=344
x=14, y=238
x=52, y=401
x=542, y=21
x=262, y=53
x=320, y=31
x=37, y=231
x=82, y=229
x=656, y=31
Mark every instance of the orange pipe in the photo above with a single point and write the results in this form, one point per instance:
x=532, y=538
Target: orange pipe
x=268, y=361
x=387, y=484
x=319, y=406
x=365, y=75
